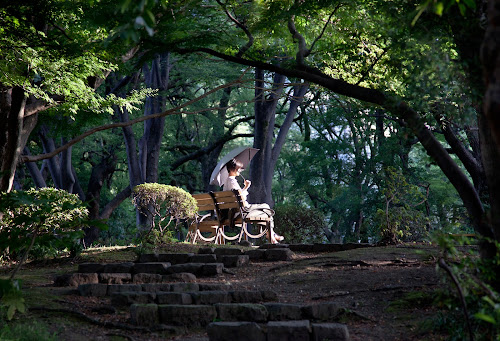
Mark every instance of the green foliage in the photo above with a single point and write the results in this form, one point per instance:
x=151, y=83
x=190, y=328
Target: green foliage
x=299, y=224
x=11, y=298
x=26, y=331
x=159, y=202
x=478, y=279
x=47, y=220
x=401, y=221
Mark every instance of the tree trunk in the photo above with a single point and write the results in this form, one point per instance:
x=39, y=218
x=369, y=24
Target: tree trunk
x=10, y=141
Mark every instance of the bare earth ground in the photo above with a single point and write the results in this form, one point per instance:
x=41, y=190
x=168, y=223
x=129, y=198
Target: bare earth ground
x=386, y=293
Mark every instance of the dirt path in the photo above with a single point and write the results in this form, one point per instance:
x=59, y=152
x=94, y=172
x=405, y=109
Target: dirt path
x=386, y=293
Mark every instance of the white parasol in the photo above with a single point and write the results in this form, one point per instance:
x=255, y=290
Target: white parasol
x=242, y=154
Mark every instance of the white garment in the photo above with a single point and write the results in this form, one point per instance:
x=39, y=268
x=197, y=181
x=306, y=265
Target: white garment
x=231, y=183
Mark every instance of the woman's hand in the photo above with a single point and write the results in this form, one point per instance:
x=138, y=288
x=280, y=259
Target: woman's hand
x=247, y=184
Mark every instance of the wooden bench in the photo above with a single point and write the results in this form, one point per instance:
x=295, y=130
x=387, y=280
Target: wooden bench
x=225, y=210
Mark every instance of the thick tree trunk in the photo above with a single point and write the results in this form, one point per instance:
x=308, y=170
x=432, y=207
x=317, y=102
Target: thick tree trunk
x=490, y=126
x=10, y=141
x=265, y=111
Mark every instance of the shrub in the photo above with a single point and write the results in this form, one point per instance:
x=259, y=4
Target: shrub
x=159, y=202
x=41, y=221
x=299, y=224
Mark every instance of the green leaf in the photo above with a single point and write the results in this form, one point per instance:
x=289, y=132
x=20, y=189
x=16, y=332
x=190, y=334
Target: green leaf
x=470, y=3
x=486, y=318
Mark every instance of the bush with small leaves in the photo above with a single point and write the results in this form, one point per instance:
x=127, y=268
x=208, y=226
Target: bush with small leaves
x=45, y=220
x=300, y=224
x=161, y=202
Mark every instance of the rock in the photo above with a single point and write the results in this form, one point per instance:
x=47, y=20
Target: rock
x=175, y=258
x=227, y=251
x=245, y=243
x=211, y=297
x=140, y=278
x=211, y=269
x=76, y=279
x=155, y=287
x=203, y=258
x=144, y=314
x=241, y=312
x=273, y=246
x=278, y=254
x=123, y=299
x=151, y=268
x=288, y=330
x=194, y=268
x=116, y=278
x=184, y=287
x=301, y=247
x=112, y=288
x=179, y=277
x=214, y=286
x=269, y=295
x=283, y=311
x=118, y=267
x=329, y=331
x=193, y=316
x=327, y=247
x=96, y=290
x=233, y=261
x=257, y=254
x=326, y=311
x=226, y=331
x=173, y=298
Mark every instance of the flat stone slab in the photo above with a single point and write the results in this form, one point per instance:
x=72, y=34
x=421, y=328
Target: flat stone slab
x=214, y=286
x=241, y=312
x=151, y=268
x=140, y=278
x=122, y=299
x=206, y=250
x=234, y=261
x=76, y=279
x=203, y=258
x=329, y=331
x=112, y=288
x=288, y=330
x=227, y=251
x=247, y=296
x=273, y=246
x=184, y=287
x=257, y=254
x=193, y=316
x=180, y=277
x=144, y=314
x=155, y=287
x=173, y=298
x=93, y=289
x=283, y=311
x=232, y=331
x=175, y=258
x=326, y=311
x=115, y=278
x=211, y=297
x=118, y=267
x=278, y=254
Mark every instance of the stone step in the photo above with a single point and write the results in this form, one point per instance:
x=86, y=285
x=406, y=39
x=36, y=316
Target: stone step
x=101, y=289
x=125, y=298
x=299, y=330
x=159, y=268
x=232, y=256
x=248, y=312
x=228, y=257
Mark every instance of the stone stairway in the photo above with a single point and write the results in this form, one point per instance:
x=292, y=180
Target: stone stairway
x=161, y=289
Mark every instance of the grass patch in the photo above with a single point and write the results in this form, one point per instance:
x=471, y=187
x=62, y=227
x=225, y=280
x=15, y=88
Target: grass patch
x=26, y=331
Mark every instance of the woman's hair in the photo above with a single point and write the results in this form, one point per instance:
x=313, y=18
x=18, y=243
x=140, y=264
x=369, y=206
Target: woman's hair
x=233, y=165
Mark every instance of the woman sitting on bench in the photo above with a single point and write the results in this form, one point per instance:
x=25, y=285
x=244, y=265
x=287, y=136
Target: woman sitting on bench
x=234, y=167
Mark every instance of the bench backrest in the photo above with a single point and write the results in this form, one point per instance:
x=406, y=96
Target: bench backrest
x=223, y=203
